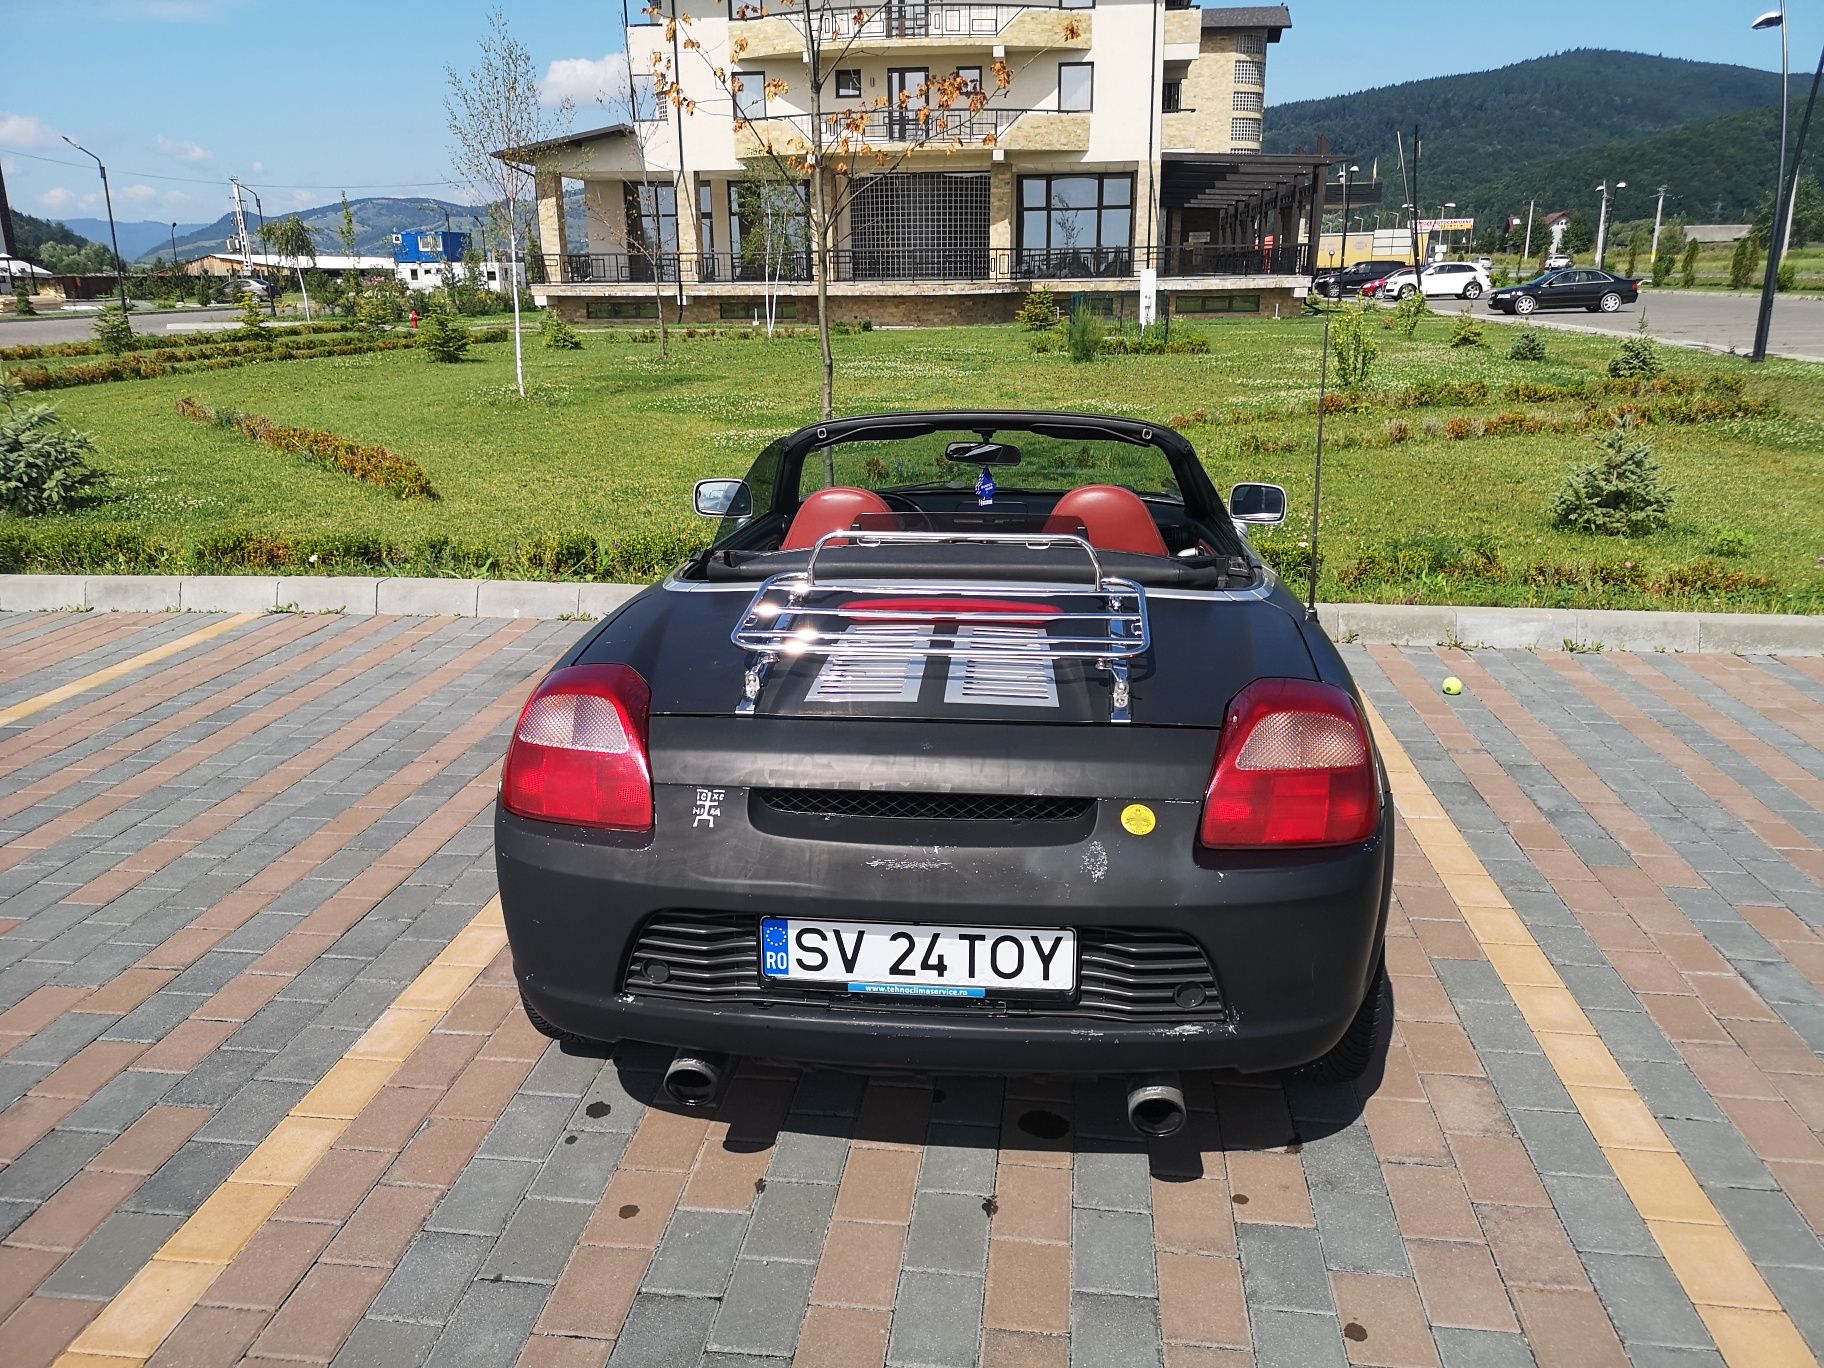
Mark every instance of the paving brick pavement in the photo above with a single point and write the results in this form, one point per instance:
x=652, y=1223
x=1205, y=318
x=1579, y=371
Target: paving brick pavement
x=228, y=879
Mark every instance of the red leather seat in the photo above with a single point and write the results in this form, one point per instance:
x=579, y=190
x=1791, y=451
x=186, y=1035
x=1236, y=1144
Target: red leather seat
x=833, y=510
x=1116, y=519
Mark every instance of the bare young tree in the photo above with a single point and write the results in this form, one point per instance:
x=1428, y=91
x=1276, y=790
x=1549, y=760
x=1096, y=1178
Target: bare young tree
x=837, y=146
x=496, y=119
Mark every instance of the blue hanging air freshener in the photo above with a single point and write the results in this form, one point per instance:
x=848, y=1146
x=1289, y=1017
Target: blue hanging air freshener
x=984, y=488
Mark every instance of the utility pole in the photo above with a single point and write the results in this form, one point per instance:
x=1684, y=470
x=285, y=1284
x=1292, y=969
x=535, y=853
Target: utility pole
x=1764, y=322
x=240, y=225
x=1602, y=221
x=7, y=242
x=1527, y=251
x=1658, y=215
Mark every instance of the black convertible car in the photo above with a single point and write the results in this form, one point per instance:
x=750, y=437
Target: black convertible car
x=1578, y=288
x=977, y=741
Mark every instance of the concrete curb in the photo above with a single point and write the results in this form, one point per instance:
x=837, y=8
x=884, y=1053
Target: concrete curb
x=1393, y=624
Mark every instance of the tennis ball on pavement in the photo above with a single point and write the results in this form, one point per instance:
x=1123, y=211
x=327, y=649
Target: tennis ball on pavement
x=1453, y=686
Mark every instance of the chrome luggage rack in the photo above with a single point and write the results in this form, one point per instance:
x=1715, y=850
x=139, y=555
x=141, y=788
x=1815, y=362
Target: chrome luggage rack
x=790, y=615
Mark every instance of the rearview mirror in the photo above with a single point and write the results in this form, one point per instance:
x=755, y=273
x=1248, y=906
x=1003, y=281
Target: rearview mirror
x=1258, y=503
x=983, y=453
x=723, y=499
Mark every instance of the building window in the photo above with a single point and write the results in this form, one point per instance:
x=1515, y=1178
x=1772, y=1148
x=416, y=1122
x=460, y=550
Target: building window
x=1250, y=73
x=706, y=218
x=429, y=242
x=1076, y=225
x=652, y=230
x=971, y=78
x=749, y=90
x=621, y=308
x=1078, y=4
x=1076, y=86
x=848, y=83
x=1171, y=97
x=1253, y=43
x=414, y=271
x=747, y=310
x=1215, y=304
x=1244, y=130
x=1251, y=100
x=781, y=252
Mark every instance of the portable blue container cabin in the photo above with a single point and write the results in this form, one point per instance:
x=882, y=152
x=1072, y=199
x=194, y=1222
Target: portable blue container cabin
x=434, y=247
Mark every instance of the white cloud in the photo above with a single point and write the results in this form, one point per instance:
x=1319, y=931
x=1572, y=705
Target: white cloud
x=183, y=150
x=259, y=168
x=57, y=197
x=585, y=80
x=136, y=194
x=26, y=130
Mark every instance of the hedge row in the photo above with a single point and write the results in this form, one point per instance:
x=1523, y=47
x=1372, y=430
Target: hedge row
x=73, y=548
x=154, y=342
x=379, y=466
x=138, y=366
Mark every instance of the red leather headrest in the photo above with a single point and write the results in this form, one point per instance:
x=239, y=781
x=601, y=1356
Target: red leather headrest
x=832, y=510
x=1116, y=519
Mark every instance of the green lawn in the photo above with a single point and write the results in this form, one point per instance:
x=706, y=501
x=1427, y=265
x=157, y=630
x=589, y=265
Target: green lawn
x=607, y=451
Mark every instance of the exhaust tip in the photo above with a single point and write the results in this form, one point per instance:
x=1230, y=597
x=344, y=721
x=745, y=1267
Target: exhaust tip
x=695, y=1080
x=1155, y=1104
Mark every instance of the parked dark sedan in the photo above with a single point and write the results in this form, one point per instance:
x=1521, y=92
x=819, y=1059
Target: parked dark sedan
x=1581, y=287
x=977, y=741
x=1351, y=279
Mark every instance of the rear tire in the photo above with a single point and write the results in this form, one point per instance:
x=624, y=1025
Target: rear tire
x=1610, y=302
x=1349, y=1058
x=557, y=1033
x=1473, y=290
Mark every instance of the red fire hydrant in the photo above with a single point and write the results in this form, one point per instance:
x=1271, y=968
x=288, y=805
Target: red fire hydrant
x=414, y=320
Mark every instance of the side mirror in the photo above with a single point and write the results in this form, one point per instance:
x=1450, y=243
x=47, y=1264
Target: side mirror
x=1258, y=503
x=723, y=499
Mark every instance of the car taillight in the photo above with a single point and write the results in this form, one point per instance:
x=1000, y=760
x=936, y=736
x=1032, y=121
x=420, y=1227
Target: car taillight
x=1294, y=769
x=579, y=752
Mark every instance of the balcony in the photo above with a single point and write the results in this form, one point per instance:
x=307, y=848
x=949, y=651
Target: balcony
x=924, y=129
x=932, y=25
x=989, y=266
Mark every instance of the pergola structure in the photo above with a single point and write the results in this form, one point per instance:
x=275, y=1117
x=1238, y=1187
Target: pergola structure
x=1250, y=201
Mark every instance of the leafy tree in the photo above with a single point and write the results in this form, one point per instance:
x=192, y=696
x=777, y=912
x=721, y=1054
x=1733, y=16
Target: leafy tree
x=1807, y=215
x=1580, y=234
x=87, y=258
x=1745, y=264
x=1040, y=310
x=1407, y=313
x=114, y=331
x=775, y=230
x=1353, y=345
x=1664, y=263
x=253, y=321
x=44, y=465
x=1619, y=494
x=291, y=241
x=1687, y=269
x=492, y=108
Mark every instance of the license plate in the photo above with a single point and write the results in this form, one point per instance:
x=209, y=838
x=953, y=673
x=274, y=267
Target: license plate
x=919, y=961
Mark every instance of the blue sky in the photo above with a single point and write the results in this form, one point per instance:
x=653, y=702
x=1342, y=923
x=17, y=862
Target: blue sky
x=303, y=101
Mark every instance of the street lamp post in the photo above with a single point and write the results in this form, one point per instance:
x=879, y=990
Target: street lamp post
x=272, y=295
x=1777, y=19
x=1602, y=220
x=120, y=270
x=1764, y=323
x=1439, y=230
x=1349, y=171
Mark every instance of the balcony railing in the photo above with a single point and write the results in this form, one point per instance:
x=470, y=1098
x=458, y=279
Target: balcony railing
x=936, y=263
x=938, y=128
x=909, y=19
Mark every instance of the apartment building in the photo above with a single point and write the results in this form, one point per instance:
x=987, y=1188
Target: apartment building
x=1105, y=148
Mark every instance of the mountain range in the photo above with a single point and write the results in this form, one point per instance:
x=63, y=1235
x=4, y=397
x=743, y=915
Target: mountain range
x=1553, y=127
x=138, y=237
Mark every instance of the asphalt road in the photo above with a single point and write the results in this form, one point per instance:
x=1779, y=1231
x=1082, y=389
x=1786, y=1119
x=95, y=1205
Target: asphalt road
x=48, y=328
x=1720, y=322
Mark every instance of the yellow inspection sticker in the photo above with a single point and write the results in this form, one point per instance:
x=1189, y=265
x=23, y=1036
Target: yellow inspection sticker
x=1138, y=818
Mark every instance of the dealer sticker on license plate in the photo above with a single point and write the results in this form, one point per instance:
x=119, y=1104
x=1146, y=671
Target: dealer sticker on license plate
x=919, y=961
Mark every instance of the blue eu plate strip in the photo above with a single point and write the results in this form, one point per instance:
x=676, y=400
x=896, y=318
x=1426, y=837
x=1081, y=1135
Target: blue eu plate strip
x=917, y=990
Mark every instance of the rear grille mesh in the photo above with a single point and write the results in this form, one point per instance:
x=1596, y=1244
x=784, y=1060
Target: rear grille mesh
x=1123, y=974
x=925, y=807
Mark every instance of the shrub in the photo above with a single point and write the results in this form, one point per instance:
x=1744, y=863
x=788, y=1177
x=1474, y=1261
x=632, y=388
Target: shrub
x=1687, y=267
x=557, y=333
x=1354, y=346
x=1528, y=345
x=1638, y=359
x=22, y=298
x=1466, y=331
x=1662, y=267
x=1040, y=311
x=253, y=319
x=1459, y=429
x=1408, y=313
x=1044, y=342
x=1787, y=277
x=1731, y=542
x=443, y=337
x=114, y=330
x=376, y=465
x=1619, y=494
x=1398, y=430
x=1084, y=336
x=44, y=466
x=1745, y=263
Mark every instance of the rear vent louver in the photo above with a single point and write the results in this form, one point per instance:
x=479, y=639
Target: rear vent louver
x=1124, y=974
x=925, y=807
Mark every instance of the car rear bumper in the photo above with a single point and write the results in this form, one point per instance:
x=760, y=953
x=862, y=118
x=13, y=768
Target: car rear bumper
x=1292, y=940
